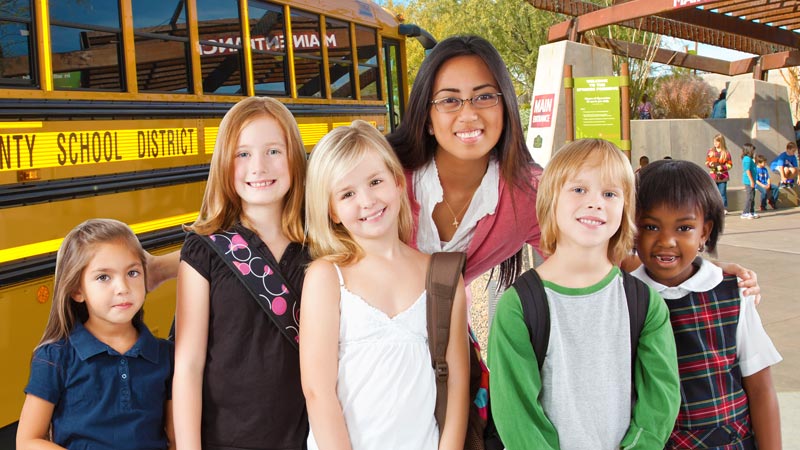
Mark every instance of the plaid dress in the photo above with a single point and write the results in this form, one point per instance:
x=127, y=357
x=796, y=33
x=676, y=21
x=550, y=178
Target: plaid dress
x=714, y=410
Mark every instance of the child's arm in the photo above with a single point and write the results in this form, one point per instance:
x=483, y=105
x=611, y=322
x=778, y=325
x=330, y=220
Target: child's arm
x=191, y=342
x=656, y=380
x=169, y=426
x=748, y=280
x=34, y=424
x=711, y=159
x=515, y=382
x=319, y=355
x=764, y=411
x=161, y=268
x=457, y=356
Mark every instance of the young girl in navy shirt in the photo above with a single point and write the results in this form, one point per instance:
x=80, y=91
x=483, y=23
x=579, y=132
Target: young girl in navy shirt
x=99, y=378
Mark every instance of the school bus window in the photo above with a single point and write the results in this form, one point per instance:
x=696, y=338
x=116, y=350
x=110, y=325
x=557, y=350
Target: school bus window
x=340, y=59
x=307, y=54
x=220, y=46
x=368, y=73
x=162, y=46
x=86, y=45
x=16, y=44
x=267, y=40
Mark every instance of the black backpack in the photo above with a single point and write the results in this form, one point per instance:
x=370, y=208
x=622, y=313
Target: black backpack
x=536, y=311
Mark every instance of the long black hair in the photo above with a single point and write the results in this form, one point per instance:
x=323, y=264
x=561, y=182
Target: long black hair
x=415, y=147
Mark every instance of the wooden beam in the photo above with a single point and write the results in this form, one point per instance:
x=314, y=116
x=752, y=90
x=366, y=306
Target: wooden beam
x=780, y=60
x=661, y=55
x=665, y=26
x=619, y=13
x=736, y=26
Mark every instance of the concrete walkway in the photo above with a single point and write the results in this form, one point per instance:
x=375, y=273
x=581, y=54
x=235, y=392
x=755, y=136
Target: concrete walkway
x=771, y=247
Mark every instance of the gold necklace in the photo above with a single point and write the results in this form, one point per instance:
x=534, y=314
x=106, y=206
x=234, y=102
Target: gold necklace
x=455, y=216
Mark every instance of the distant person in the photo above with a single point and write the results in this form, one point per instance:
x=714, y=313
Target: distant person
x=719, y=110
x=643, y=161
x=797, y=132
x=645, y=108
x=785, y=165
x=718, y=161
x=724, y=354
x=749, y=175
x=769, y=192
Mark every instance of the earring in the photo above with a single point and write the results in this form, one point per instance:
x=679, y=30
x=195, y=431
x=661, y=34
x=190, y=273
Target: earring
x=430, y=130
x=702, y=247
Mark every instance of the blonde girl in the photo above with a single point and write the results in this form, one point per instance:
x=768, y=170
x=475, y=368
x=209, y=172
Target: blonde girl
x=237, y=377
x=582, y=395
x=99, y=378
x=719, y=162
x=364, y=357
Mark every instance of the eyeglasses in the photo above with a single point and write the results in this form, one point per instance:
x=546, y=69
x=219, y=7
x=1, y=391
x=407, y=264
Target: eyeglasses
x=454, y=104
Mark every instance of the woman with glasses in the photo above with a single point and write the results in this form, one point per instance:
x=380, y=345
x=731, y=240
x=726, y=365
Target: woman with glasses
x=471, y=180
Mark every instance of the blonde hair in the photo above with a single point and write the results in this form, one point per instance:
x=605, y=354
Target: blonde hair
x=222, y=207
x=569, y=160
x=73, y=256
x=331, y=159
x=723, y=146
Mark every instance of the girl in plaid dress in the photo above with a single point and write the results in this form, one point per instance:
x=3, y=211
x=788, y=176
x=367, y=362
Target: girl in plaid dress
x=724, y=355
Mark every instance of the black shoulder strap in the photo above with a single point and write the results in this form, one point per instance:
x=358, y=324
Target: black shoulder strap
x=262, y=281
x=535, y=311
x=443, y=273
x=638, y=296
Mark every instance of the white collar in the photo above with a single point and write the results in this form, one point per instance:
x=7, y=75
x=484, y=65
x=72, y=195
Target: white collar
x=707, y=277
x=428, y=193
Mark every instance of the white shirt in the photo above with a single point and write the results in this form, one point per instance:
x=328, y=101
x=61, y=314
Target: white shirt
x=754, y=348
x=428, y=193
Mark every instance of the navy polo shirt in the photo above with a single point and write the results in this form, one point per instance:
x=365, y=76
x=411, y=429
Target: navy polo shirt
x=103, y=399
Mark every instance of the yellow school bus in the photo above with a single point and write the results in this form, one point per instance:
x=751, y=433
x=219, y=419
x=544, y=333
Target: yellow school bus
x=110, y=108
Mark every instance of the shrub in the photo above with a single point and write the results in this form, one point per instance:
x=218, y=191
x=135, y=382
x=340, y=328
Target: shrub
x=684, y=97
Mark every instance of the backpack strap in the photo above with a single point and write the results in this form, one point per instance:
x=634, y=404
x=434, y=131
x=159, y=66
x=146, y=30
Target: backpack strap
x=443, y=274
x=535, y=311
x=638, y=296
x=264, y=283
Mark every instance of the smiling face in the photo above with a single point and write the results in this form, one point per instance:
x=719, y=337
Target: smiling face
x=261, y=165
x=470, y=133
x=366, y=201
x=589, y=209
x=112, y=285
x=668, y=240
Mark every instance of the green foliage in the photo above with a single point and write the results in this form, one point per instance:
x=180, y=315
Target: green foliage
x=514, y=27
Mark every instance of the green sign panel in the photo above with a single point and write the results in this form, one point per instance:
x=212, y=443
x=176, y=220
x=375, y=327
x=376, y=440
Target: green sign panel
x=597, y=109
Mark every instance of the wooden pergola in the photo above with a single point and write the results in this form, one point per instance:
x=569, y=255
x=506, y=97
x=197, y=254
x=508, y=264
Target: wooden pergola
x=765, y=28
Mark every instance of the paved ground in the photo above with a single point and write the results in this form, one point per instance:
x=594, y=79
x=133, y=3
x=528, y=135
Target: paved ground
x=771, y=247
